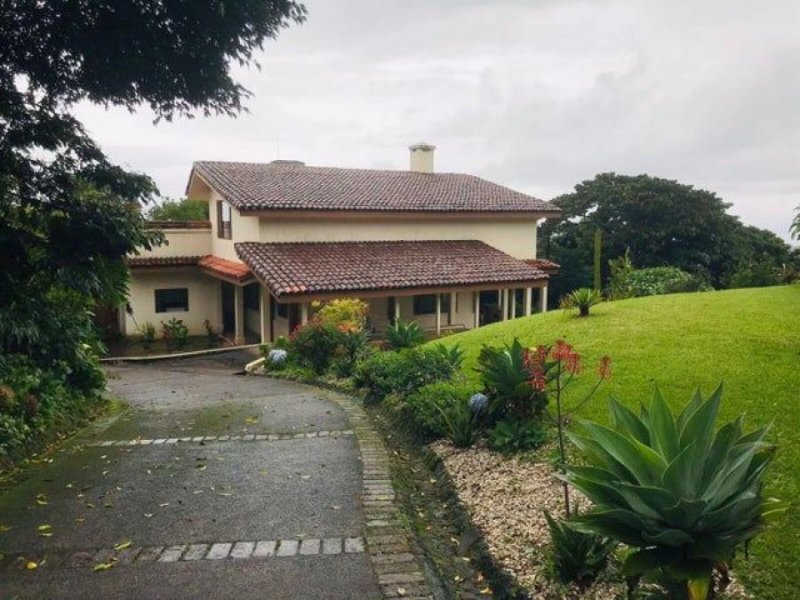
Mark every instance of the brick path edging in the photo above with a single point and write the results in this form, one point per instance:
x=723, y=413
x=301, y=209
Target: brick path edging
x=400, y=574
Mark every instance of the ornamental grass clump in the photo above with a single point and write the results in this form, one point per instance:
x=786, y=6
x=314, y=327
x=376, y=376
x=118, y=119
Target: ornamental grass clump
x=680, y=493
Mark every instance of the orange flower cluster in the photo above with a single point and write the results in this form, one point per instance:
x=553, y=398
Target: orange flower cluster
x=563, y=353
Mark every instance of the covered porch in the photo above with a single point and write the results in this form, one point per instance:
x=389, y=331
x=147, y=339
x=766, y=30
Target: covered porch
x=443, y=285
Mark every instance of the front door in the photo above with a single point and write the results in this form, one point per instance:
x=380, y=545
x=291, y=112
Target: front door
x=228, y=307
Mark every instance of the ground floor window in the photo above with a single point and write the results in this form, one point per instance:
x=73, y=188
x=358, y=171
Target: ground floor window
x=426, y=304
x=172, y=300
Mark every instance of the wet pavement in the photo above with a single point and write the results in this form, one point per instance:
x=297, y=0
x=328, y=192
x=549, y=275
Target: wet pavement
x=212, y=485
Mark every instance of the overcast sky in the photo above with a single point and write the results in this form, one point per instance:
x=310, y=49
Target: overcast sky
x=534, y=94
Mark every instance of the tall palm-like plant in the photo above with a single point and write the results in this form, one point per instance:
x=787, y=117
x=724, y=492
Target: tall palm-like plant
x=582, y=300
x=679, y=492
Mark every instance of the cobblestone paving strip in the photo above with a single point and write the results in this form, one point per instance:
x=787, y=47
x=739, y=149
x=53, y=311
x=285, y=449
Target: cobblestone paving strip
x=223, y=438
x=272, y=549
x=388, y=542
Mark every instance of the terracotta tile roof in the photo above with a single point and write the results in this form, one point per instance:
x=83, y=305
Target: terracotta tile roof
x=225, y=268
x=162, y=261
x=179, y=224
x=330, y=267
x=293, y=186
x=548, y=266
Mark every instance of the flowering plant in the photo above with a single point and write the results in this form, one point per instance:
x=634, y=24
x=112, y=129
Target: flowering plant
x=277, y=356
x=553, y=370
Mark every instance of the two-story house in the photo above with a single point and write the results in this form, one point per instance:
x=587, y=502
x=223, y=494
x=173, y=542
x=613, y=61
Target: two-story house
x=444, y=249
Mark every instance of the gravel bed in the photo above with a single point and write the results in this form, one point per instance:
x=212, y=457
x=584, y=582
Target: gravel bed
x=505, y=497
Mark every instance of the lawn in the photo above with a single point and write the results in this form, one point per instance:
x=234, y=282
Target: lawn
x=749, y=339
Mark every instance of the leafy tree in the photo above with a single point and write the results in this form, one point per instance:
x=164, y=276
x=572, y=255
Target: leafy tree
x=68, y=216
x=662, y=222
x=186, y=209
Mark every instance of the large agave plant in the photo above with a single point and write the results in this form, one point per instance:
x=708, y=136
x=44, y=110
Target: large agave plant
x=682, y=494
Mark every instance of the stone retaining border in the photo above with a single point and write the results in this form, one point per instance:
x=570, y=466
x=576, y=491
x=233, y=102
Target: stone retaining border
x=221, y=438
x=136, y=555
x=388, y=542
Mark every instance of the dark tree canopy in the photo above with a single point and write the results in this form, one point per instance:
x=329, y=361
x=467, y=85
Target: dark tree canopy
x=68, y=216
x=662, y=222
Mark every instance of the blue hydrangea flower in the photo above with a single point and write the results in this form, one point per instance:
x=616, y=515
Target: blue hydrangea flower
x=478, y=403
x=277, y=356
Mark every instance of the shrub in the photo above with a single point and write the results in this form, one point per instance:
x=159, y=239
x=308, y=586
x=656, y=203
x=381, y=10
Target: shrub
x=34, y=400
x=679, y=493
x=348, y=312
x=507, y=381
x=577, y=556
x=314, y=343
x=175, y=333
x=460, y=423
x=402, y=371
x=426, y=402
x=281, y=343
x=756, y=274
x=655, y=281
x=454, y=355
x=581, y=300
x=402, y=334
x=148, y=331
x=514, y=435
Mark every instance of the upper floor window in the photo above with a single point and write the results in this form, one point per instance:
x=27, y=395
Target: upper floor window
x=172, y=300
x=426, y=304
x=224, y=229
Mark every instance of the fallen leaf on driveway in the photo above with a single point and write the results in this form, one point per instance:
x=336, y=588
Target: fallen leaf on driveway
x=122, y=545
x=31, y=565
x=148, y=515
x=4, y=527
x=103, y=566
x=44, y=528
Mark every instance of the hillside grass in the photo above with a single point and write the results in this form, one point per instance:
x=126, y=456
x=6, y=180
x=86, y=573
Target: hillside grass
x=748, y=339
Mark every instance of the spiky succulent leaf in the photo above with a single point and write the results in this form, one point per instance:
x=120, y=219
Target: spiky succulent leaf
x=683, y=493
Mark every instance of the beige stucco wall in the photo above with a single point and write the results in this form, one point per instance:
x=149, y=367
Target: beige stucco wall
x=514, y=237
x=204, y=299
x=182, y=242
x=244, y=229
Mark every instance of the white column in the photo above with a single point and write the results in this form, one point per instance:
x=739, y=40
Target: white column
x=265, y=312
x=220, y=324
x=238, y=314
x=396, y=308
x=303, y=313
x=513, y=304
x=438, y=314
x=452, y=308
x=543, y=299
x=505, y=305
x=528, y=300
x=476, y=309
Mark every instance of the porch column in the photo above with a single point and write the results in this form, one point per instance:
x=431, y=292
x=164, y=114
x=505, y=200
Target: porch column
x=238, y=314
x=513, y=307
x=452, y=308
x=543, y=299
x=438, y=314
x=504, y=305
x=265, y=313
x=476, y=309
x=528, y=300
x=396, y=309
x=303, y=313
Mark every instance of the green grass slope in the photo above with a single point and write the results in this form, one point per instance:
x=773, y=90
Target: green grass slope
x=749, y=339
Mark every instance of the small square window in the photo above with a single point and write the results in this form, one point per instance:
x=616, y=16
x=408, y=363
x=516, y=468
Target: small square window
x=426, y=305
x=281, y=310
x=172, y=300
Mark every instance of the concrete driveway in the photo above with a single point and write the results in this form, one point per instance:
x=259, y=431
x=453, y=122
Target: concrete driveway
x=213, y=485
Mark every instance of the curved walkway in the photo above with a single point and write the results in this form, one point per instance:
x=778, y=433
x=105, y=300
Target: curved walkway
x=214, y=485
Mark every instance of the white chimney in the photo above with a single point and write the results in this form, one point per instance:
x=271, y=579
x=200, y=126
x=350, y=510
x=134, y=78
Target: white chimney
x=422, y=157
